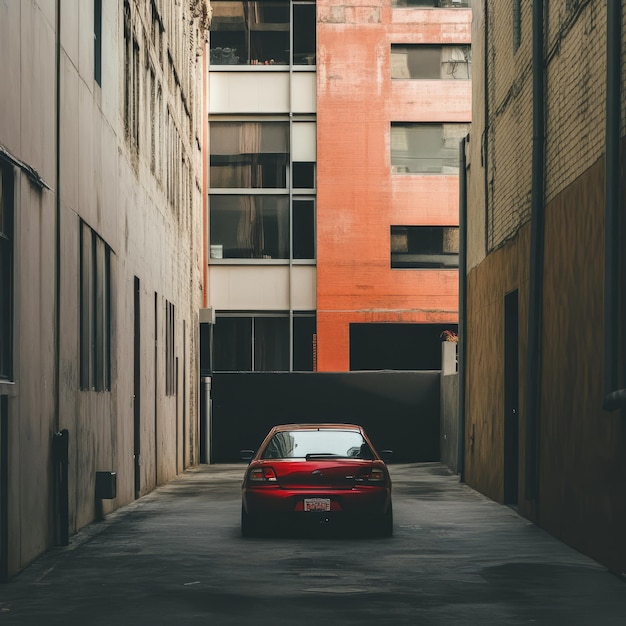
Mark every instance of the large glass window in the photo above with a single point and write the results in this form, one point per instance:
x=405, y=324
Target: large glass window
x=425, y=61
x=6, y=270
x=424, y=247
x=258, y=32
x=303, y=219
x=260, y=342
x=249, y=154
x=249, y=227
x=418, y=148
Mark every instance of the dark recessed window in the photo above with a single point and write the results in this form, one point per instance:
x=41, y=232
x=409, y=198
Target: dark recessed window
x=97, y=41
x=517, y=24
x=303, y=174
x=303, y=220
x=424, y=247
x=303, y=340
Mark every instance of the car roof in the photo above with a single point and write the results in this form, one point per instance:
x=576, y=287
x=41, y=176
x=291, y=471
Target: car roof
x=328, y=426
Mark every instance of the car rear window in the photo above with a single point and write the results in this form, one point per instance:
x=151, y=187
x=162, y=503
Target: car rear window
x=301, y=444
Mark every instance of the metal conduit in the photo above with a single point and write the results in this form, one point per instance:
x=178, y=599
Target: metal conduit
x=614, y=398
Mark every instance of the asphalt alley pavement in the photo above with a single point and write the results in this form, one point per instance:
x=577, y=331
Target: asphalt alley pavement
x=176, y=557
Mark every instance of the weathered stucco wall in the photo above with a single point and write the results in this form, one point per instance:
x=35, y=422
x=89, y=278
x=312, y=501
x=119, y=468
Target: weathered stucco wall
x=140, y=194
x=358, y=198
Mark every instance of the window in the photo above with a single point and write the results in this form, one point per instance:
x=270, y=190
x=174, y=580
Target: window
x=249, y=227
x=249, y=154
x=170, y=352
x=303, y=339
x=423, y=247
x=426, y=148
x=259, y=32
x=6, y=270
x=442, y=4
x=298, y=444
x=131, y=80
x=430, y=62
x=95, y=312
x=303, y=175
x=517, y=24
x=303, y=231
x=261, y=342
x=97, y=41
x=258, y=227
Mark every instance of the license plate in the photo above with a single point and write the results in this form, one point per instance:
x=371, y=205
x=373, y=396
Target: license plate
x=317, y=504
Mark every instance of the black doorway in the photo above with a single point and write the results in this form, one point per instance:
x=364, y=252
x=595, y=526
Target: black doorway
x=137, y=387
x=4, y=489
x=511, y=399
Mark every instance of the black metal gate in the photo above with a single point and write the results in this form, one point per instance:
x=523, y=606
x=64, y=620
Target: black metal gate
x=399, y=410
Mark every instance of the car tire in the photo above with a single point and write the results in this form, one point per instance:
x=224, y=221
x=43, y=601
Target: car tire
x=248, y=526
x=384, y=527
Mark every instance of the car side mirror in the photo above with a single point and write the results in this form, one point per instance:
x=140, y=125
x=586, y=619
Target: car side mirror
x=246, y=455
x=386, y=455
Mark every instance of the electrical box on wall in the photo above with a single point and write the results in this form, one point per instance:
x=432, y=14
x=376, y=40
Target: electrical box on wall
x=106, y=485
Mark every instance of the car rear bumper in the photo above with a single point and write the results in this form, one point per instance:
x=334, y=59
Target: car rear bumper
x=344, y=502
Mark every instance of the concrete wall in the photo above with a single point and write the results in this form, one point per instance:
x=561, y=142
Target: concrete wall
x=449, y=429
x=581, y=450
x=358, y=197
x=399, y=410
x=100, y=178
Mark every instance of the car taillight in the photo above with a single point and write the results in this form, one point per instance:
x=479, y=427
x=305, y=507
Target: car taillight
x=262, y=474
x=371, y=475
x=377, y=475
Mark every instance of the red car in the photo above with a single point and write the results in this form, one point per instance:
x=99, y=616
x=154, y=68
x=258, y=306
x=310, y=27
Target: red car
x=316, y=473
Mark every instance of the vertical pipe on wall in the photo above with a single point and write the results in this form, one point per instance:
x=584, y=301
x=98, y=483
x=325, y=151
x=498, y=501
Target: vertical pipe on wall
x=613, y=398
x=485, y=137
x=57, y=251
x=462, y=304
x=535, y=289
x=60, y=440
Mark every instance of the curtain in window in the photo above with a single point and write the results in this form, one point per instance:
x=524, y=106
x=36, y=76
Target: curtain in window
x=250, y=234
x=455, y=62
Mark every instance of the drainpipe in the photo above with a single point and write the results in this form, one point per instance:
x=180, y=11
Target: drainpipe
x=485, y=138
x=57, y=251
x=462, y=304
x=535, y=295
x=60, y=442
x=614, y=398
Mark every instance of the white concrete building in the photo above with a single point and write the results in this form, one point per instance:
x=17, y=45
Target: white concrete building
x=101, y=135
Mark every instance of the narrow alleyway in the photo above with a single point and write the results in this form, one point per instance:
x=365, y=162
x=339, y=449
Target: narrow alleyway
x=176, y=557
